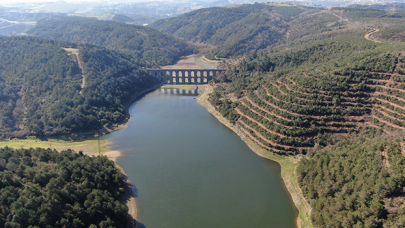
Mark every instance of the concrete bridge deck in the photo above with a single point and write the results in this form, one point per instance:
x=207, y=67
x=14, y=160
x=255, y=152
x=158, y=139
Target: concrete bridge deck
x=185, y=76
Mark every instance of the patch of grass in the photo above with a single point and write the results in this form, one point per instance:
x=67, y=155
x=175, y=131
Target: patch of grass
x=73, y=51
x=91, y=146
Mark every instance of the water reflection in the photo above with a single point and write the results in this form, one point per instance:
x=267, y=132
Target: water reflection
x=191, y=171
x=181, y=92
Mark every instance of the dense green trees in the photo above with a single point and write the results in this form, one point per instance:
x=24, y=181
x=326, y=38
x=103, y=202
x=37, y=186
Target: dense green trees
x=141, y=42
x=350, y=184
x=44, y=188
x=41, y=94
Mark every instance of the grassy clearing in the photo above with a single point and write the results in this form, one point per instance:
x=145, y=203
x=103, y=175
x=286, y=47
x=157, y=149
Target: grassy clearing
x=288, y=163
x=72, y=51
x=91, y=146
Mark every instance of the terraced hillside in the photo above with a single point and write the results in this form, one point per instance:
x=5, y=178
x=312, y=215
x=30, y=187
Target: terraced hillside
x=289, y=99
x=302, y=109
x=335, y=100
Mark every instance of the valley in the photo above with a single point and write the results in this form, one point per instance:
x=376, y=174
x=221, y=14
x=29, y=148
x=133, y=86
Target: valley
x=318, y=90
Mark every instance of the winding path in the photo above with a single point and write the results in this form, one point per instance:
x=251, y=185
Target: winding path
x=368, y=35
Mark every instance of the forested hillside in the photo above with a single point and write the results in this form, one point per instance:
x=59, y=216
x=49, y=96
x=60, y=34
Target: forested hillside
x=47, y=90
x=335, y=81
x=141, y=42
x=45, y=188
x=296, y=95
x=233, y=30
x=358, y=182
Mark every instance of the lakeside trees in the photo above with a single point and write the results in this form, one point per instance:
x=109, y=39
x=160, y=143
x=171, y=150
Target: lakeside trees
x=45, y=188
x=41, y=94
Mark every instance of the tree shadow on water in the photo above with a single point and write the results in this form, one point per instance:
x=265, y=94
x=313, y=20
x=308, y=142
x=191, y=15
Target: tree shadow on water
x=130, y=192
x=140, y=225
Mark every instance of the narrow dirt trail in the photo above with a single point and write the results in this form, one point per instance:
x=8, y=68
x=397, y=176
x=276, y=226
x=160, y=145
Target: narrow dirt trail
x=278, y=87
x=378, y=127
x=384, y=156
x=388, y=123
x=267, y=111
x=279, y=108
x=265, y=117
x=368, y=35
x=82, y=68
x=403, y=149
x=262, y=137
x=382, y=80
x=389, y=110
x=258, y=123
x=391, y=74
x=75, y=52
x=253, y=138
x=340, y=17
x=389, y=102
x=292, y=91
x=390, y=95
x=391, y=117
x=275, y=98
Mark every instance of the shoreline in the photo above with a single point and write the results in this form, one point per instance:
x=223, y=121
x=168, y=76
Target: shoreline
x=287, y=164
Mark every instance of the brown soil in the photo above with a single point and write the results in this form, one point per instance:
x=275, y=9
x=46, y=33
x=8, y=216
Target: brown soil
x=265, y=110
x=388, y=123
x=403, y=149
x=278, y=87
x=275, y=98
x=247, y=134
x=368, y=36
x=265, y=117
x=387, y=87
x=390, y=117
x=378, y=127
x=389, y=110
x=391, y=74
x=261, y=125
x=277, y=107
x=389, y=102
x=389, y=95
x=262, y=137
x=328, y=102
x=384, y=156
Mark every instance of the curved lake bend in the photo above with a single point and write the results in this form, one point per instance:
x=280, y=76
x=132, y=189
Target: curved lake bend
x=190, y=171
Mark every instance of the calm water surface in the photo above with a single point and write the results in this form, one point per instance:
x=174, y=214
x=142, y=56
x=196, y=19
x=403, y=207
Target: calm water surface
x=190, y=171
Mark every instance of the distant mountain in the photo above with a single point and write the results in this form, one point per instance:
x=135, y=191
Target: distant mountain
x=232, y=30
x=388, y=6
x=144, y=43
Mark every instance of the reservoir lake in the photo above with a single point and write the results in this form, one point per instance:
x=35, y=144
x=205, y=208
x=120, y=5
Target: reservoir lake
x=190, y=171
